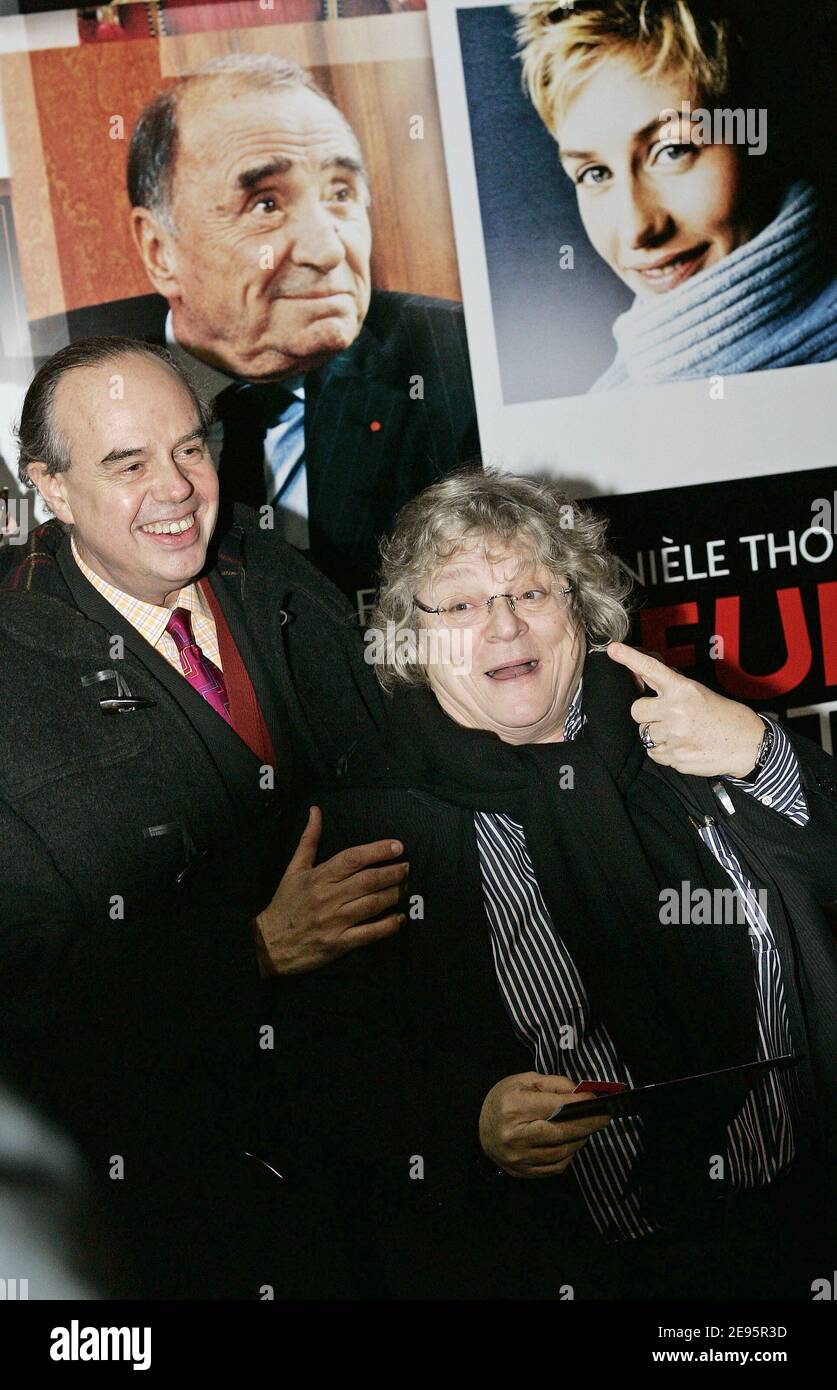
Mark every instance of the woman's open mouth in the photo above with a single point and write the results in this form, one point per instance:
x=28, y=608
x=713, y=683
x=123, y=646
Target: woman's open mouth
x=669, y=271
x=514, y=670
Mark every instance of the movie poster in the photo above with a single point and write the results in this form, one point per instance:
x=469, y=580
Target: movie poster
x=602, y=355
x=570, y=264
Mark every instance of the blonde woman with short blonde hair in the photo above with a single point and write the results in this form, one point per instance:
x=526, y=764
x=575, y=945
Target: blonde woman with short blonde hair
x=694, y=175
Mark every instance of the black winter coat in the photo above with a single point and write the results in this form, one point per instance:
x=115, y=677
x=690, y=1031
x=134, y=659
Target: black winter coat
x=136, y=848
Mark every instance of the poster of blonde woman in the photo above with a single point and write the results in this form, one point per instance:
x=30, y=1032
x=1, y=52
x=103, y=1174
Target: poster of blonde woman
x=659, y=219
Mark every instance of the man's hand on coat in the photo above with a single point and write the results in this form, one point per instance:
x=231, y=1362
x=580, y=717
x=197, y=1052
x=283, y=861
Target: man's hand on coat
x=321, y=911
x=694, y=730
x=515, y=1133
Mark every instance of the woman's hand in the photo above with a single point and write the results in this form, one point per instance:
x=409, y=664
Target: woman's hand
x=695, y=730
x=515, y=1133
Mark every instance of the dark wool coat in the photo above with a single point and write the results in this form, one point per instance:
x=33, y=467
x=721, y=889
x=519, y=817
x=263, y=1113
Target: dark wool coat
x=136, y=848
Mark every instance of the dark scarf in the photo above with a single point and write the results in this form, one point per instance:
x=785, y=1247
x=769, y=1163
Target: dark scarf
x=676, y=999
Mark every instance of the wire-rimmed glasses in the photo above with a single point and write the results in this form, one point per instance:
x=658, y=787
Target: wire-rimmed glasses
x=467, y=611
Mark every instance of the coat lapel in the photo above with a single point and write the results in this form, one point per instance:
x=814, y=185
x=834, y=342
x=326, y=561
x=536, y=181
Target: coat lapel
x=237, y=765
x=229, y=579
x=357, y=430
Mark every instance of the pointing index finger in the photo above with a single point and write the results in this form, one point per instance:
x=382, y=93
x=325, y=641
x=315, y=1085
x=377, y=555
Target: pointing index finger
x=660, y=677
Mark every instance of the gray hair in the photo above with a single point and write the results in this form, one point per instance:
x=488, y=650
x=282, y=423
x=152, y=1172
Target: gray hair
x=39, y=439
x=477, y=508
x=152, y=156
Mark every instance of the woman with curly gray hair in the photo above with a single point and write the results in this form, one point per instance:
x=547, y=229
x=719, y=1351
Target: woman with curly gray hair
x=579, y=919
x=477, y=528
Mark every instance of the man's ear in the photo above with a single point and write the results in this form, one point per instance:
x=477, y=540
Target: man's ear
x=156, y=247
x=52, y=488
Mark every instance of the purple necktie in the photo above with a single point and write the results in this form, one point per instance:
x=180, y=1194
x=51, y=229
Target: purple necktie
x=201, y=673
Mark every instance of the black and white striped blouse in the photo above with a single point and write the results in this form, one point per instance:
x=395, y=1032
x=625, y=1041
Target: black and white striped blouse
x=546, y=1001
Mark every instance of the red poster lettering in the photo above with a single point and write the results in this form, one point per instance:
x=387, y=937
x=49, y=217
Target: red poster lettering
x=795, y=668
x=827, y=595
x=655, y=623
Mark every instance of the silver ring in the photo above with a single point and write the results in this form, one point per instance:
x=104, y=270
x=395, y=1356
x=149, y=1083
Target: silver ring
x=645, y=737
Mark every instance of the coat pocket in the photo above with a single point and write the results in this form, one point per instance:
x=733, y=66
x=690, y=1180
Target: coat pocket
x=76, y=736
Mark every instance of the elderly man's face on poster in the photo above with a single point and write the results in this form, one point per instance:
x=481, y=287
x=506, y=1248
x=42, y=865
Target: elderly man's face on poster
x=265, y=260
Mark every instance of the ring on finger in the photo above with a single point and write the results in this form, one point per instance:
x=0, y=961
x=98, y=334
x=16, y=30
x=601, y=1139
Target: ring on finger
x=645, y=737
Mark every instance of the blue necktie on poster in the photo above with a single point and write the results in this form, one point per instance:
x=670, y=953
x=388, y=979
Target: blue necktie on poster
x=285, y=476
x=277, y=410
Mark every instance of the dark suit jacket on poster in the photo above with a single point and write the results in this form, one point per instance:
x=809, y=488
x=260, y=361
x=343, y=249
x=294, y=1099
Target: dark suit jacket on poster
x=136, y=850
x=390, y=415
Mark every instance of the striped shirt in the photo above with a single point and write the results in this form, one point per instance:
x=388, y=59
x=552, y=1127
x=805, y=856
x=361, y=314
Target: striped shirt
x=151, y=619
x=546, y=1001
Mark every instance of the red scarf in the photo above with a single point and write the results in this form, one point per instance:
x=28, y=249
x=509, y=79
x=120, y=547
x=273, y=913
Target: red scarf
x=245, y=712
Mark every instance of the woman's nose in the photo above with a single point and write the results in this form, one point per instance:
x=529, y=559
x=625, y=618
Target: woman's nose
x=645, y=219
x=503, y=621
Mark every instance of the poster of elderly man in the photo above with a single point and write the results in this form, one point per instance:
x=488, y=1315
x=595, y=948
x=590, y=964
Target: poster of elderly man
x=270, y=202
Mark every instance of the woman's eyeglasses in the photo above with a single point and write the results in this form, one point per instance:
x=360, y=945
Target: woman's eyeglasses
x=467, y=612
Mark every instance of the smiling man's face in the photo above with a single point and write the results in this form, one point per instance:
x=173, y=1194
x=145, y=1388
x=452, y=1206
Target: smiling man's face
x=523, y=671
x=141, y=492
x=267, y=271
x=657, y=205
